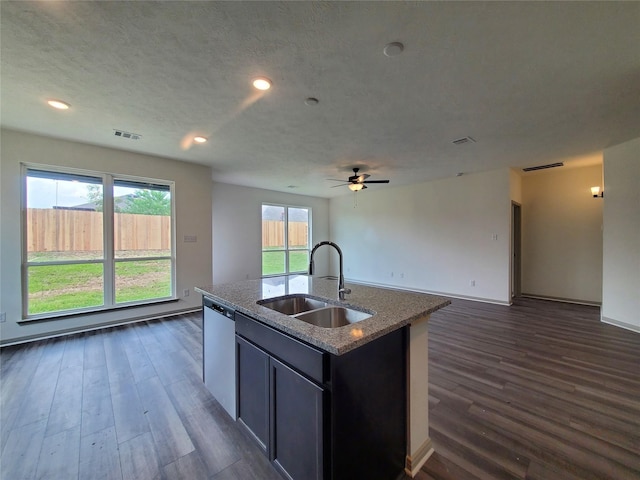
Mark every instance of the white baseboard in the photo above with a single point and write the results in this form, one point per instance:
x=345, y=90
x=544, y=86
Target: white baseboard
x=616, y=323
x=562, y=300
x=414, y=462
x=430, y=292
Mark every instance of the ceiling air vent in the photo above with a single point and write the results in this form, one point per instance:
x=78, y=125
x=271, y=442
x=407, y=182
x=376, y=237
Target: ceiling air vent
x=542, y=167
x=463, y=140
x=129, y=135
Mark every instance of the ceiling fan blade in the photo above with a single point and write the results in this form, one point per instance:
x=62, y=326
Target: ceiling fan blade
x=335, y=180
x=376, y=181
x=341, y=185
x=362, y=177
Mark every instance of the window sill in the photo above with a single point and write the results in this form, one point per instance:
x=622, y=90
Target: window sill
x=47, y=317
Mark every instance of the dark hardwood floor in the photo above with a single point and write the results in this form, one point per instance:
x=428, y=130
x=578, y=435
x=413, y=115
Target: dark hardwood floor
x=539, y=390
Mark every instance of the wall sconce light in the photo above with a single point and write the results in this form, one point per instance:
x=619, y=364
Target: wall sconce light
x=595, y=191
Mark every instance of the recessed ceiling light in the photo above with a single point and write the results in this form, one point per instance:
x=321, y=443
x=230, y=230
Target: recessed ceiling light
x=262, y=83
x=392, y=49
x=59, y=104
x=199, y=139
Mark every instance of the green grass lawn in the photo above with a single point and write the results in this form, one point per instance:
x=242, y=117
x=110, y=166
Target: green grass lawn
x=54, y=288
x=273, y=262
x=55, y=277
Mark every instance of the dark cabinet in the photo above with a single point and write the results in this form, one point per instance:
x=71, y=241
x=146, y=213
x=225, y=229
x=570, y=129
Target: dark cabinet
x=253, y=382
x=282, y=409
x=319, y=416
x=297, y=414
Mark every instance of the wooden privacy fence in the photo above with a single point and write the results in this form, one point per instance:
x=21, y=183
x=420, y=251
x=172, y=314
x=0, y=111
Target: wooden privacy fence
x=52, y=230
x=273, y=233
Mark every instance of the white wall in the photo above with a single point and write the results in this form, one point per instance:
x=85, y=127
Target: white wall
x=515, y=186
x=193, y=217
x=562, y=234
x=237, y=229
x=621, y=249
x=435, y=237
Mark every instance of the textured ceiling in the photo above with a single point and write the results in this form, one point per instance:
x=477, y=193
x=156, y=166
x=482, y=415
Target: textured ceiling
x=533, y=83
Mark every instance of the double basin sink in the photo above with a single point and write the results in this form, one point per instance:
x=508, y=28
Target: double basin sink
x=314, y=311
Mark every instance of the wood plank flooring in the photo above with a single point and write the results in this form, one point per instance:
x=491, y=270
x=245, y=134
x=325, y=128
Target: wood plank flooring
x=539, y=390
x=120, y=403
x=535, y=391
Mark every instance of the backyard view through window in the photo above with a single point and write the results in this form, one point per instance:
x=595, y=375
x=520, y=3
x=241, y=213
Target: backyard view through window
x=72, y=263
x=285, y=239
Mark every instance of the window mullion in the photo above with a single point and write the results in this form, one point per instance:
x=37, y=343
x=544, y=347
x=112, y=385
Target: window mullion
x=286, y=240
x=108, y=239
x=174, y=280
x=25, y=254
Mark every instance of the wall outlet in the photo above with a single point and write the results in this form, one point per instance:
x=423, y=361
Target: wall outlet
x=494, y=236
x=472, y=283
x=3, y=317
x=185, y=292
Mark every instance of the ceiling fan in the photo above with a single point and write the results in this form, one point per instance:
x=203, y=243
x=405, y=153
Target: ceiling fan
x=357, y=181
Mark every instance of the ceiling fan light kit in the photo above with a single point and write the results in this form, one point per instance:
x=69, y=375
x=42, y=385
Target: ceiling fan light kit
x=356, y=182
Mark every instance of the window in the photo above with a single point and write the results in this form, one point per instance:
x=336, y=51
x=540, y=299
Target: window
x=95, y=241
x=285, y=239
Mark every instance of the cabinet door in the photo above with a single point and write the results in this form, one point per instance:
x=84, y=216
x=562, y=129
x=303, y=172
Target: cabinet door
x=297, y=430
x=253, y=390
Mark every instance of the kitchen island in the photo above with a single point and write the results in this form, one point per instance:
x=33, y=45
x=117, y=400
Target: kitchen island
x=363, y=387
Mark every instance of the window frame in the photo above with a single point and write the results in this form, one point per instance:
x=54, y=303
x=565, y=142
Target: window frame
x=286, y=250
x=109, y=259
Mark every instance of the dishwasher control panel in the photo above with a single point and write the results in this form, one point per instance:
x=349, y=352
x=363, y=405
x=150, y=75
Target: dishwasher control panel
x=227, y=312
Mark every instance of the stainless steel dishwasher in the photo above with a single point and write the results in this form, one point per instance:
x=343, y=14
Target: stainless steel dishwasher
x=219, y=352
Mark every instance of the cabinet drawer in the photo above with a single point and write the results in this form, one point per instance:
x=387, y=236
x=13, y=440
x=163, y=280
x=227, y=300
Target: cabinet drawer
x=302, y=357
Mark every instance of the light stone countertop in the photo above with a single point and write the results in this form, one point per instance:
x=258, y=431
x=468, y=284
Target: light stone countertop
x=392, y=309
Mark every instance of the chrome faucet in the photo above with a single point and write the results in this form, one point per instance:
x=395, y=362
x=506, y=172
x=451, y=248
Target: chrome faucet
x=341, y=288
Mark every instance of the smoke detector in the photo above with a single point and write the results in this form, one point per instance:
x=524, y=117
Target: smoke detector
x=392, y=49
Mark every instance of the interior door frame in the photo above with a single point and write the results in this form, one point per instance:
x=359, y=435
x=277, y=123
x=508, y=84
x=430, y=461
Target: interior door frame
x=516, y=250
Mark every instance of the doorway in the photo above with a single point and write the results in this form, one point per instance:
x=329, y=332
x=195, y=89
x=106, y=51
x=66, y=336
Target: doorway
x=516, y=249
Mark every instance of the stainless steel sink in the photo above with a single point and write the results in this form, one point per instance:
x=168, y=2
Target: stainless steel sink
x=293, y=305
x=316, y=312
x=332, y=316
